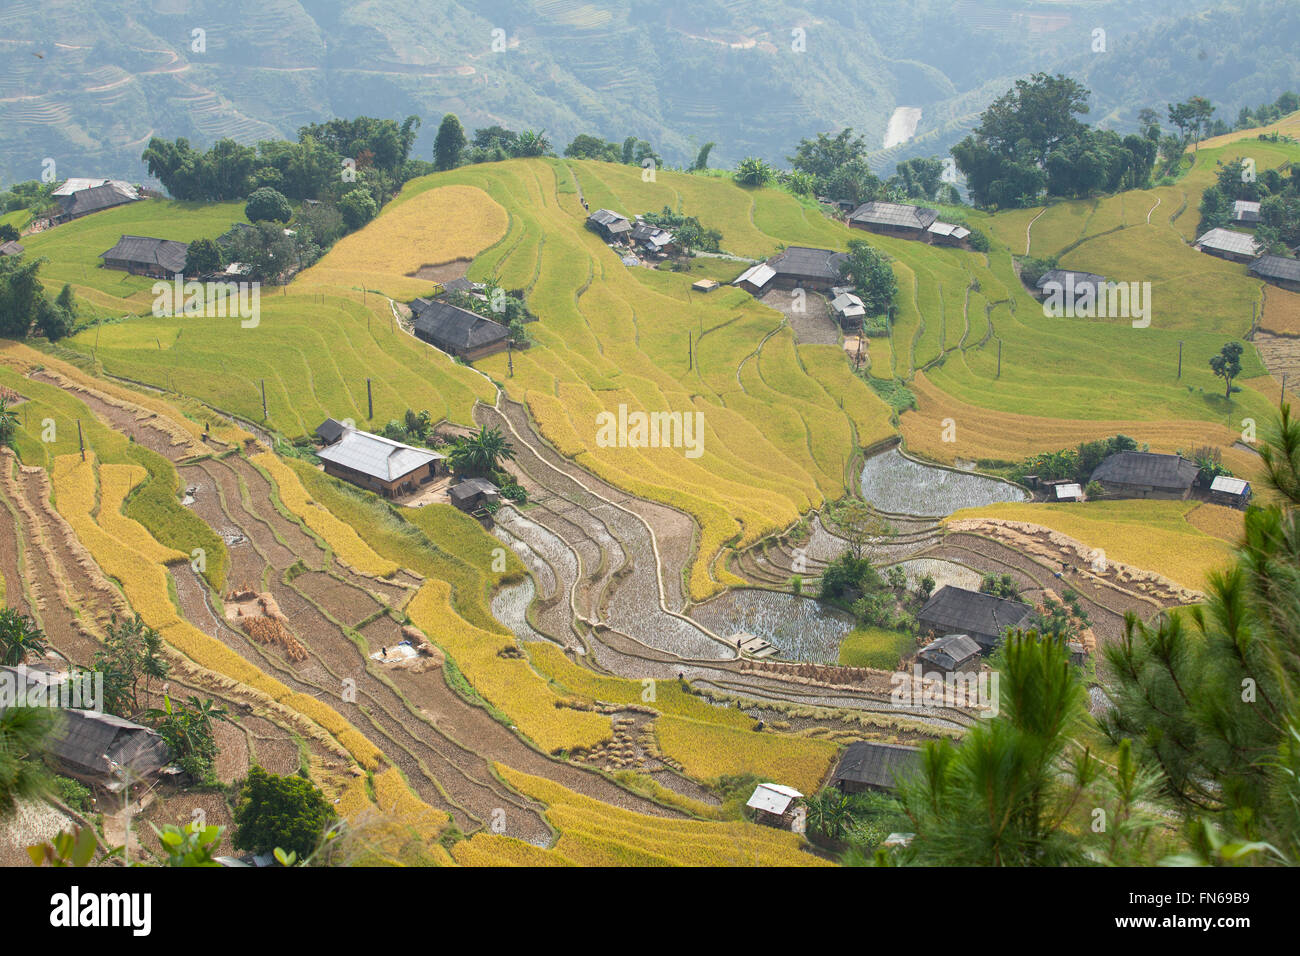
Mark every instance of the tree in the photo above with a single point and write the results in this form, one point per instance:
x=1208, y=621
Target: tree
x=23, y=776
x=54, y=320
x=8, y=233
x=203, y=257
x=187, y=729
x=1209, y=694
x=1033, y=118
x=920, y=177
x=1019, y=791
x=530, y=143
x=752, y=171
x=449, y=144
x=822, y=156
x=872, y=276
x=280, y=812
x=8, y=422
x=702, y=158
x=1227, y=365
x=1003, y=586
x=20, y=638
x=358, y=208
x=858, y=524
x=268, y=205
x=482, y=453
x=585, y=146
x=132, y=652
x=21, y=295
x=1149, y=123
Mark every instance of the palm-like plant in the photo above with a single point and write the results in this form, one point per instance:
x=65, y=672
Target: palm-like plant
x=752, y=171
x=481, y=454
x=20, y=638
x=529, y=143
x=8, y=421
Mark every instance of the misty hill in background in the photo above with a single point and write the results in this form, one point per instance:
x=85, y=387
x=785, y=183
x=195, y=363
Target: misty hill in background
x=88, y=83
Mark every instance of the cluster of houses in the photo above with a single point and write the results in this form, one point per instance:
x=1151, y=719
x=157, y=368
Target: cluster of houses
x=1242, y=247
x=616, y=229
x=906, y=221
x=816, y=270
x=392, y=468
x=1142, y=474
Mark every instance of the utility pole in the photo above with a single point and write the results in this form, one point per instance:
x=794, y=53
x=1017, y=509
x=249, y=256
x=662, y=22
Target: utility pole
x=690, y=351
x=370, y=402
x=999, y=358
x=1180, y=359
x=263, y=399
x=510, y=357
x=80, y=441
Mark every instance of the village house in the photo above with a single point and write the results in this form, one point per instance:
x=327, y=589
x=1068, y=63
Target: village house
x=1233, y=492
x=951, y=654
x=1278, y=270
x=867, y=765
x=142, y=255
x=1245, y=213
x=774, y=804
x=11, y=248
x=610, y=225
x=893, y=219
x=1140, y=474
x=457, y=331
x=849, y=310
x=947, y=234
x=87, y=745
x=1069, y=283
x=983, y=617
x=652, y=239
x=380, y=464
x=704, y=285
x=798, y=267
x=81, y=197
x=472, y=494
x=1226, y=244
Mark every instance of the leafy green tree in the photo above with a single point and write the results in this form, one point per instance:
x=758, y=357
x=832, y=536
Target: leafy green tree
x=20, y=638
x=482, y=453
x=449, y=144
x=23, y=776
x=1020, y=790
x=823, y=155
x=1211, y=694
x=1003, y=586
x=203, y=257
x=585, y=146
x=1227, y=364
x=357, y=208
x=752, y=171
x=872, y=276
x=530, y=143
x=268, y=205
x=920, y=177
x=22, y=297
x=8, y=233
x=280, y=812
x=702, y=158
x=132, y=652
x=187, y=729
x=8, y=422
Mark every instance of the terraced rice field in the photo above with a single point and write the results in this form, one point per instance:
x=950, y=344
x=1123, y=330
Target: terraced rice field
x=893, y=483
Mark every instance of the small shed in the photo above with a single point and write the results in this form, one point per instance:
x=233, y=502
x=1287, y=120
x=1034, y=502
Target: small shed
x=951, y=654
x=1067, y=491
x=867, y=765
x=330, y=431
x=756, y=279
x=947, y=234
x=473, y=493
x=1233, y=492
x=704, y=285
x=11, y=248
x=849, y=310
x=1245, y=213
x=774, y=804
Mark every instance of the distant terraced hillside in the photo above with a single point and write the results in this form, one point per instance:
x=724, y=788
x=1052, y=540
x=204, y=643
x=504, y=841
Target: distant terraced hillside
x=87, y=83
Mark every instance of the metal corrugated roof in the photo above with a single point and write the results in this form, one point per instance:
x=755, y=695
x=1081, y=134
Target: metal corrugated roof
x=894, y=214
x=1229, y=485
x=759, y=275
x=773, y=798
x=1226, y=240
x=804, y=261
x=1245, y=211
x=376, y=456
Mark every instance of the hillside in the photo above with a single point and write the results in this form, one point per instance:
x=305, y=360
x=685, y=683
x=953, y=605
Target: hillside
x=676, y=73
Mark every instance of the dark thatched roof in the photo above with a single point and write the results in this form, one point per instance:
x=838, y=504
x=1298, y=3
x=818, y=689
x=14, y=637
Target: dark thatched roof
x=1276, y=267
x=894, y=215
x=809, y=263
x=329, y=431
x=453, y=329
x=982, y=616
x=875, y=765
x=146, y=251
x=1164, y=472
x=86, y=201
